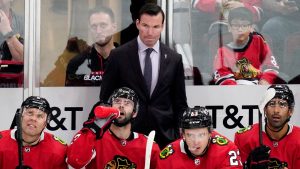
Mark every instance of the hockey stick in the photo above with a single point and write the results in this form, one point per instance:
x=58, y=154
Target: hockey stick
x=19, y=138
x=267, y=97
x=149, y=145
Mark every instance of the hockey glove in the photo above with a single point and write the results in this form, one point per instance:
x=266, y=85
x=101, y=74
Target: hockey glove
x=103, y=117
x=258, y=158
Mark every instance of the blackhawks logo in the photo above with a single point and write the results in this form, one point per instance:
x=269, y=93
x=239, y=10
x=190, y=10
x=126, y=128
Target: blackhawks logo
x=219, y=140
x=59, y=140
x=242, y=130
x=120, y=162
x=277, y=164
x=245, y=69
x=166, y=152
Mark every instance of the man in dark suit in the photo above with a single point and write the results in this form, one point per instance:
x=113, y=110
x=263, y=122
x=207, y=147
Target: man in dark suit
x=163, y=97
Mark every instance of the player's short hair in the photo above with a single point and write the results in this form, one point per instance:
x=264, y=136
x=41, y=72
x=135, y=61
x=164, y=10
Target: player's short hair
x=103, y=9
x=151, y=9
x=136, y=5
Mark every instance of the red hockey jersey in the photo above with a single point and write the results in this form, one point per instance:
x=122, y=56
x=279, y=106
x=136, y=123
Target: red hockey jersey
x=247, y=65
x=109, y=151
x=49, y=153
x=283, y=152
x=221, y=154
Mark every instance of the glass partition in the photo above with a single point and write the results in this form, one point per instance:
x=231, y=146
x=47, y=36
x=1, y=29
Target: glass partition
x=214, y=51
x=199, y=30
x=11, y=44
x=68, y=30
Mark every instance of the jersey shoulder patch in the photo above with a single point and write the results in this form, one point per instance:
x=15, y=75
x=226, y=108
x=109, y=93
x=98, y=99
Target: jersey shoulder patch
x=166, y=152
x=243, y=130
x=59, y=140
x=219, y=140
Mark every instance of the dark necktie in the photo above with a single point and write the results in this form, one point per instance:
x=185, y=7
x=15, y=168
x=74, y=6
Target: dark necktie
x=148, y=69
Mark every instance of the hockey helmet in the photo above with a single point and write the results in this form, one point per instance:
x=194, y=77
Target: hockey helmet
x=197, y=117
x=284, y=92
x=37, y=102
x=127, y=93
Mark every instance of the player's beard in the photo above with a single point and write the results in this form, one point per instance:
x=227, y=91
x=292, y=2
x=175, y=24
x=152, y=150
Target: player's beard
x=123, y=122
x=105, y=42
x=277, y=126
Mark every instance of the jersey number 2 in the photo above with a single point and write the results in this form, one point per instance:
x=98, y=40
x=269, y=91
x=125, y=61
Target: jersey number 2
x=233, y=160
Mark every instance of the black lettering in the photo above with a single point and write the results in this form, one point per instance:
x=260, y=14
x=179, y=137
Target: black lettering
x=231, y=115
x=214, y=113
x=250, y=108
x=59, y=123
x=73, y=111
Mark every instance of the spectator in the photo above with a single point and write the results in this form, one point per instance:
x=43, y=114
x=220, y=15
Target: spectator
x=219, y=10
x=11, y=33
x=119, y=147
x=39, y=148
x=162, y=95
x=282, y=23
x=200, y=146
x=280, y=138
x=248, y=58
x=89, y=66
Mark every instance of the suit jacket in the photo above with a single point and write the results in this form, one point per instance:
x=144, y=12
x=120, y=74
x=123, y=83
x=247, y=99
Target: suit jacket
x=161, y=111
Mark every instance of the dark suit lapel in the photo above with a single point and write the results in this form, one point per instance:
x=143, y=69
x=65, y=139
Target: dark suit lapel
x=164, y=61
x=135, y=61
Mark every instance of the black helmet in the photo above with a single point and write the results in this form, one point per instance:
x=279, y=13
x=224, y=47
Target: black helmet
x=284, y=92
x=127, y=93
x=197, y=117
x=37, y=102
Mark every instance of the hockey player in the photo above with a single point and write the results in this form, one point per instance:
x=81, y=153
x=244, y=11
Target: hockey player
x=39, y=148
x=281, y=142
x=95, y=147
x=248, y=58
x=200, y=147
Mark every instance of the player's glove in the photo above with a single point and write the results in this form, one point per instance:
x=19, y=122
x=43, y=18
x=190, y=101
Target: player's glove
x=101, y=121
x=258, y=158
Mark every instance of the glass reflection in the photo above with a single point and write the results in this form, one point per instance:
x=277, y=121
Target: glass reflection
x=11, y=43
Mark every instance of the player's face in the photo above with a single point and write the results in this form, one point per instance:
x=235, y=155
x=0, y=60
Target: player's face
x=33, y=122
x=196, y=139
x=102, y=28
x=277, y=112
x=240, y=30
x=125, y=107
x=150, y=28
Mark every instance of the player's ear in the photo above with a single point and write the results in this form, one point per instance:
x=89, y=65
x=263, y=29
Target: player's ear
x=134, y=114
